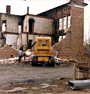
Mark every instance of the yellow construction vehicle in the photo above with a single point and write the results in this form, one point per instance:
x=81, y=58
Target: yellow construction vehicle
x=43, y=52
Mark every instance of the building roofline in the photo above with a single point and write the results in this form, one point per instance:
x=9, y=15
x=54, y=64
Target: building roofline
x=11, y=14
x=38, y=16
x=61, y=6
x=66, y=4
x=27, y=15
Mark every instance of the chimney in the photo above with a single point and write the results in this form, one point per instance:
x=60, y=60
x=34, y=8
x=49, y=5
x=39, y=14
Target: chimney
x=8, y=9
x=27, y=10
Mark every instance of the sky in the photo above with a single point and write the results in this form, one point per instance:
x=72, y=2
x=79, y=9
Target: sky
x=19, y=7
x=87, y=22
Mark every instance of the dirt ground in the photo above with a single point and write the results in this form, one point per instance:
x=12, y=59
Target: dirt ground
x=25, y=79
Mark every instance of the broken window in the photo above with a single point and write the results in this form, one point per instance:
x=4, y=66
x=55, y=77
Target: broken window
x=69, y=21
x=31, y=25
x=4, y=26
x=19, y=27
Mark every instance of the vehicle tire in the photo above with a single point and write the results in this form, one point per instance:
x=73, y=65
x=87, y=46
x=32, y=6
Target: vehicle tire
x=52, y=62
x=34, y=60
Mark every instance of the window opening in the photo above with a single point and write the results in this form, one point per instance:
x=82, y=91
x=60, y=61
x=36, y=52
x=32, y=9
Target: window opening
x=61, y=37
x=69, y=21
x=29, y=43
x=60, y=24
x=31, y=25
x=4, y=26
x=19, y=28
x=64, y=23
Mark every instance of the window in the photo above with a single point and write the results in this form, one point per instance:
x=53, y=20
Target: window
x=4, y=26
x=19, y=27
x=59, y=39
x=60, y=24
x=64, y=22
x=29, y=44
x=31, y=25
x=69, y=21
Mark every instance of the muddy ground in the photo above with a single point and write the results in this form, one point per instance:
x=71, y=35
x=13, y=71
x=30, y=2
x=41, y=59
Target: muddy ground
x=25, y=79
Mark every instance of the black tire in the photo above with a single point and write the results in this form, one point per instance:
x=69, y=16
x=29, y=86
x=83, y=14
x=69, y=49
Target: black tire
x=52, y=62
x=34, y=60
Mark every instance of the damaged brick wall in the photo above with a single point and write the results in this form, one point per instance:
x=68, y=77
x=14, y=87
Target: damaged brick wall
x=56, y=14
x=73, y=42
x=74, y=38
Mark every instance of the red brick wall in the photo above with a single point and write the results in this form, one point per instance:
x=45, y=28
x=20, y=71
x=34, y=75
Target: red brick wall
x=74, y=38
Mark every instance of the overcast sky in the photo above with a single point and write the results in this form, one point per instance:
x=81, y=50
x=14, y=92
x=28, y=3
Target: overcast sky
x=35, y=6
x=19, y=7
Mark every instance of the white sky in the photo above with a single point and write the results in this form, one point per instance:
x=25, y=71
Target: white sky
x=19, y=7
x=87, y=21
x=35, y=6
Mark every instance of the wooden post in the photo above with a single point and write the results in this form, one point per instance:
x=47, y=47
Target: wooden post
x=74, y=77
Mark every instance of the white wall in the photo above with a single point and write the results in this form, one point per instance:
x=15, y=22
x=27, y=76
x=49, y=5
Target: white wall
x=11, y=22
x=41, y=25
x=11, y=40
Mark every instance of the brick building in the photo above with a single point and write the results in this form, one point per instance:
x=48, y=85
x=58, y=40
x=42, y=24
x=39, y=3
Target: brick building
x=16, y=30
x=69, y=27
x=64, y=24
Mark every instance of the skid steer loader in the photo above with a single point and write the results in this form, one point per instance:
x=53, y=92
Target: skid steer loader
x=43, y=52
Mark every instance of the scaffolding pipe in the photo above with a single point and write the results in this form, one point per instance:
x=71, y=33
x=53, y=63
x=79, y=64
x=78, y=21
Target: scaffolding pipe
x=79, y=84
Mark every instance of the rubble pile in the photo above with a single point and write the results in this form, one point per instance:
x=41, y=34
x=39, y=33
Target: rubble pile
x=29, y=54
x=56, y=48
x=9, y=61
x=9, y=55
x=8, y=52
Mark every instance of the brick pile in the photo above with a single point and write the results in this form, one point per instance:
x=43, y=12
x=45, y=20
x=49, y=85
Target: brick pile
x=8, y=52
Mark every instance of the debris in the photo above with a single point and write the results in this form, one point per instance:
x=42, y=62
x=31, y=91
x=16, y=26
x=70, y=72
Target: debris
x=61, y=61
x=8, y=61
x=47, y=93
x=8, y=52
x=79, y=84
x=45, y=85
x=35, y=88
x=28, y=53
x=16, y=89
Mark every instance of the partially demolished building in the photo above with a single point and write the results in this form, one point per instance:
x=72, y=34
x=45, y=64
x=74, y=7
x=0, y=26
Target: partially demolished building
x=69, y=27
x=23, y=30
x=65, y=24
